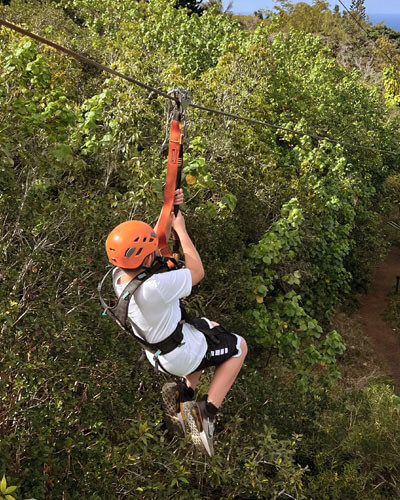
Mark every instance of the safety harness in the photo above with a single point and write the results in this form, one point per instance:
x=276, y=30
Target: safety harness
x=119, y=312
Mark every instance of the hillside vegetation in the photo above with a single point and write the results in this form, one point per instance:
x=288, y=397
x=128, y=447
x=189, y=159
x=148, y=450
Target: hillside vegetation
x=287, y=225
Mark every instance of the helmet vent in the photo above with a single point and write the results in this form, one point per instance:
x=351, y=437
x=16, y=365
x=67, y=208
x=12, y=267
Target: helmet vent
x=139, y=251
x=144, y=239
x=130, y=251
x=151, y=239
x=112, y=249
x=136, y=239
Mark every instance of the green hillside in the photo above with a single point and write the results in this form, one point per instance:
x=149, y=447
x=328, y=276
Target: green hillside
x=288, y=226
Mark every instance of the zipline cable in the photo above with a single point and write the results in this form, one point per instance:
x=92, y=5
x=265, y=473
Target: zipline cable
x=102, y=67
x=353, y=17
x=365, y=31
x=279, y=127
x=82, y=58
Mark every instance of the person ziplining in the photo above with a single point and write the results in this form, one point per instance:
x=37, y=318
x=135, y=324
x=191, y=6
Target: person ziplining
x=149, y=285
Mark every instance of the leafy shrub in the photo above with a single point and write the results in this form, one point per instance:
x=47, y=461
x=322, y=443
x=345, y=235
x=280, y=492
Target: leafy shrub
x=360, y=448
x=286, y=225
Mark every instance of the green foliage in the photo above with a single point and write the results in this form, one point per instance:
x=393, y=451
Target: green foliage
x=316, y=18
x=389, y=51
x=358, y=8
x=381, y=31
x=360, y=448
x=286, y=226
x=191, y=44
x=391, y=79
x=6, y=490
x=350, y=35
x=282, y=323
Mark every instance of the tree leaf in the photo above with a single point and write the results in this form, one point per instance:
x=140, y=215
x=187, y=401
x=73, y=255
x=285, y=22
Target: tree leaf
x=190, y=179
x=3, y=485
x=62, y=152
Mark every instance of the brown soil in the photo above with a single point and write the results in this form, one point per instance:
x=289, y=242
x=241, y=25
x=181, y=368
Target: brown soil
x=384, y=340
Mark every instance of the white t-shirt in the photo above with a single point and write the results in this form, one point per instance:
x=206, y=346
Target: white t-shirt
x=155, y=309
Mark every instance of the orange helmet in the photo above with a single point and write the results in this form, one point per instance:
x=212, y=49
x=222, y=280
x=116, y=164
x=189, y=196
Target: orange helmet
x=130, y=243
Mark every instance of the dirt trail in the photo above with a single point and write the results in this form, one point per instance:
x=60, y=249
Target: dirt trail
x=384, y=340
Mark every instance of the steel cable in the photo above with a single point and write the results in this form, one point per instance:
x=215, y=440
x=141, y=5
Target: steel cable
x=82, y=58
x=114, y=72
x=365, y=31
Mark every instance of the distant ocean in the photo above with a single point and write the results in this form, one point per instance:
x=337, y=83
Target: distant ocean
x=391, y=20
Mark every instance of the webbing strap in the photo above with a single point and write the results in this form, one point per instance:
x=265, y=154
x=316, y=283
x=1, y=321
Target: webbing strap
x=175, y=237
x=119, y=311
x=170, y=186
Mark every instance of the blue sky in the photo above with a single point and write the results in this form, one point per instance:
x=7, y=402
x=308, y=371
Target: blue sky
x=372, y=6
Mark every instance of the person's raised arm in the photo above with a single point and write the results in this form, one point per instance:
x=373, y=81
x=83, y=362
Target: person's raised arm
x=191, y=256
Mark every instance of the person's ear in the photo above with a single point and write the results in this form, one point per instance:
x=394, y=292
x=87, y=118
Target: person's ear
x=147, y=261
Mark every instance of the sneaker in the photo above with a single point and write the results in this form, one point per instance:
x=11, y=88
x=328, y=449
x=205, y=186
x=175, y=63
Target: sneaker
x=201, y=427
x=174, y=394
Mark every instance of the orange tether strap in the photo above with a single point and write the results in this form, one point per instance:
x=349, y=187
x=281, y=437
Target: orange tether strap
x=175, y=237
x=175, y=139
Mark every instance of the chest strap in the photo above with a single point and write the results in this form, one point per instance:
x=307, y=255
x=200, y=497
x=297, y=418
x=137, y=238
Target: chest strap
x=119, y=311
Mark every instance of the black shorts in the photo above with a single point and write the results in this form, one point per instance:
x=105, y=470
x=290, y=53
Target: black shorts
x=218, y=353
